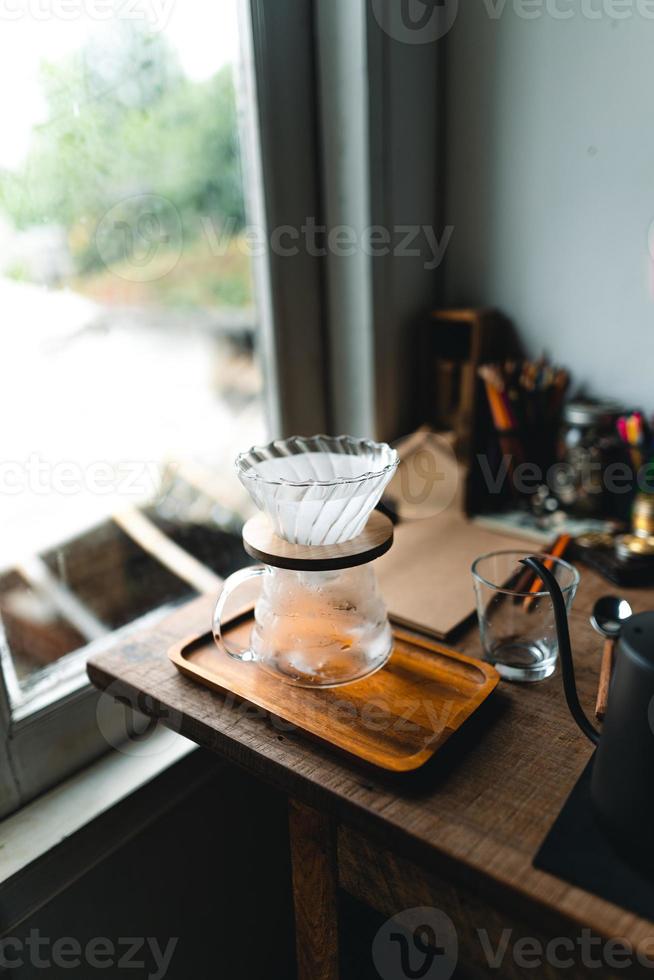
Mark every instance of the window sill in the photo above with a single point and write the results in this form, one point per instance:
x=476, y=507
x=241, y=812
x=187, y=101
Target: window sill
x=53, y=841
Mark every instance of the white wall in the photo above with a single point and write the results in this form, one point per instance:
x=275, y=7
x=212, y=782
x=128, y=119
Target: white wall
x=550, y=184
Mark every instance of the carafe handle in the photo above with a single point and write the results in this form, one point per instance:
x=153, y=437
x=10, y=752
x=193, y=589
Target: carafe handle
x=234, y=582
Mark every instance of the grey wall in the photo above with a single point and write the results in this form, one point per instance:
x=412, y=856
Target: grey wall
x=550, y=184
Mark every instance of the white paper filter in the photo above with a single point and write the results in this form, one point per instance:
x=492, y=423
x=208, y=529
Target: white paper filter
x=318, y=490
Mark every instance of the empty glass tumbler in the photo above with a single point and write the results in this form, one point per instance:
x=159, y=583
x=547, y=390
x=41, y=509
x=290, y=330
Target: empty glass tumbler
x=516, y=616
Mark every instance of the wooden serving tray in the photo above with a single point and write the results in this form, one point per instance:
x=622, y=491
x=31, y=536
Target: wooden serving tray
x=395, y=719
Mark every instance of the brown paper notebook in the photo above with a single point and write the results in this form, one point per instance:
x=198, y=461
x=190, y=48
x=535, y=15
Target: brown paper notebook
x=425, y=577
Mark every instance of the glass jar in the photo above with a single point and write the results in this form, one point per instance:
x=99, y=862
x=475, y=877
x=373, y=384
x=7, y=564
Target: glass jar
x=589, y=443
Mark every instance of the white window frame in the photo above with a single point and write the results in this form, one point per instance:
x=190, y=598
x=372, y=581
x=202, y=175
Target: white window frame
x=50, y=730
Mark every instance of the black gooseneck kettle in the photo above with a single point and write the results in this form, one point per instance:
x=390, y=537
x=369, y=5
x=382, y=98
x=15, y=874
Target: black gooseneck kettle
x=622, y=782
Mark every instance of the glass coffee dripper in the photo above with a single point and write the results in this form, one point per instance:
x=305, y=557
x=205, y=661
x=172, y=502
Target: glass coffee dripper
x=319, y=620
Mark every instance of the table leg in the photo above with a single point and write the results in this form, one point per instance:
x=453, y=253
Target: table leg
x=313, y=856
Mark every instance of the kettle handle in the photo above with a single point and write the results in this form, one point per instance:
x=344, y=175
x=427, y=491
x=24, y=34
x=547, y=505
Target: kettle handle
x=565, y=651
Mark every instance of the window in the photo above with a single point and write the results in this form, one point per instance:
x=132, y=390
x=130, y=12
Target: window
x=129, y=372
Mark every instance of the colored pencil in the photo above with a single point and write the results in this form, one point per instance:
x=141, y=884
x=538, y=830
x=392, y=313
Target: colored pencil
x=558, y=550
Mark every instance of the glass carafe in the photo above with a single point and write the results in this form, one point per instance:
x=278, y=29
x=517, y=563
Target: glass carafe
x=315, y=628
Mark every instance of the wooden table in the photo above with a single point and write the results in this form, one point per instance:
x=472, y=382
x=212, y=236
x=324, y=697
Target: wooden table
x=460, y=835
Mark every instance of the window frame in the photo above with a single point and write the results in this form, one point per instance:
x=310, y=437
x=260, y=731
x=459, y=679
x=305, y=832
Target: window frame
x=283, y=154
x=9, y=787
x=51, y=731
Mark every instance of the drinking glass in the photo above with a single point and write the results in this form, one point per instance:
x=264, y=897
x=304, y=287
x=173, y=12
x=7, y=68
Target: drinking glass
x=516, y=616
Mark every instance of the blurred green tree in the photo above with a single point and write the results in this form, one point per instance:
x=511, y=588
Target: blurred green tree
x=123, y=121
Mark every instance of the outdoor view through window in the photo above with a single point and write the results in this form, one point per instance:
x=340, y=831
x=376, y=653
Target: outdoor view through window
x=128, y=378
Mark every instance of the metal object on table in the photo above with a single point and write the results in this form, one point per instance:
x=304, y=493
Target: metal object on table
x=642, y=516
x=589, y=443
x=622, y=790
x=596, y=539
x=630, y=546
x=608, y=617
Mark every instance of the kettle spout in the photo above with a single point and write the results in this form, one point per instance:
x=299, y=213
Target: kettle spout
x=565, y=651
